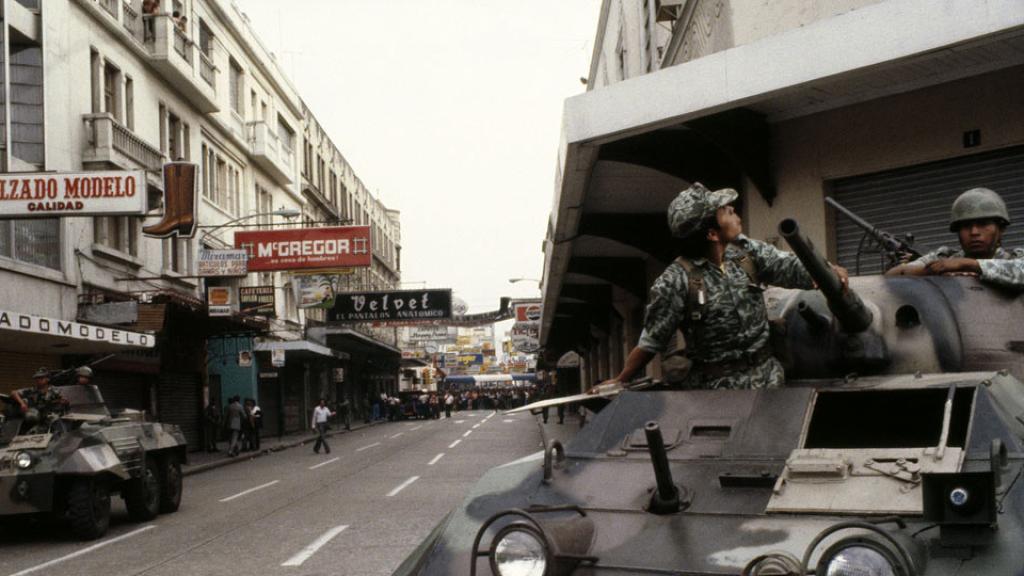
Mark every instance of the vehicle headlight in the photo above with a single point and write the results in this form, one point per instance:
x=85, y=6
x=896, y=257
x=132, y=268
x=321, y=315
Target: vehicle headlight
x=859, y=561
x=518, y=550
x=23, y=460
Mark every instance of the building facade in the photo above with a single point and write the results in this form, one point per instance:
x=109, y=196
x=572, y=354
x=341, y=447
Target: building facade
x=893, y=107
x=127, y=85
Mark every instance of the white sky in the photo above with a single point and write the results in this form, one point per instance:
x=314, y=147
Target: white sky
x=450, y=110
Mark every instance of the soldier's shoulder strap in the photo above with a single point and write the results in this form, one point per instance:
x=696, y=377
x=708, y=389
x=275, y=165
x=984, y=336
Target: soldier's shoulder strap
x=746, y=263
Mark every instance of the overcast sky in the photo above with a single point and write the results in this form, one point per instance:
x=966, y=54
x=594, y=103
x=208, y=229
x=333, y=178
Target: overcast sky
x=450, y=111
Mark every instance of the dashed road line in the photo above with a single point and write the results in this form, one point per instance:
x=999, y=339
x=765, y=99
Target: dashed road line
x=249, y=491
x=367, y=447
x=454, y=444
x=315, y=466
x=459, y=421
x=308, y=551
x=508, y=421
x=468, y=432
x=475, y=426
x=416, y=428
x=403, y=486
x=397, y=435
x=84, y=550
x=435, y=459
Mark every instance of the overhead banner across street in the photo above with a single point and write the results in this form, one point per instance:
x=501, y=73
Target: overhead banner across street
x=306, y=248
x=401, y=305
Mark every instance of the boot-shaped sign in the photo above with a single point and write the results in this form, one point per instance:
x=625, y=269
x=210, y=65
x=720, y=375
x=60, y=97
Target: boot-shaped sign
x=179, y=219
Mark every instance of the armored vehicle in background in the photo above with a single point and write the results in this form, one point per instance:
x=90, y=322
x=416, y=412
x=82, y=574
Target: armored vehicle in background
x=68, y=466
x=893, y=450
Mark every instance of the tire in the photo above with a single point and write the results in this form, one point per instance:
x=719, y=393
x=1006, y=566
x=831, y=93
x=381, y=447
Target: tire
x=170, y=484
x=142, y=494
x=88, y=508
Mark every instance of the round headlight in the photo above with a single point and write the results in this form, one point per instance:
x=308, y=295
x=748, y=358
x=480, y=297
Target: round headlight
x=518, y=552
x=859, y=561
x=23, y=460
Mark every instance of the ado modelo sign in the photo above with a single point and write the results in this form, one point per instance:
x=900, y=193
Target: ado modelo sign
x=404, y=305
x=26, y=323
x=39, y=195
x=338, y=247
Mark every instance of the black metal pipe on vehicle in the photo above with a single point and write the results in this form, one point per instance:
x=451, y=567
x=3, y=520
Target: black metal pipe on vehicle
x=846, y=306
x=666, y=496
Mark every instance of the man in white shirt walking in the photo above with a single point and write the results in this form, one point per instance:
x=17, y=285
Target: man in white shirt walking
x=320, y=415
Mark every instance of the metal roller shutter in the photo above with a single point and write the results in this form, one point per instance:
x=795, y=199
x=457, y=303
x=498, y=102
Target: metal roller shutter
x=178, y=399
x=121, y=390
x=917, y=200
x=16, y=369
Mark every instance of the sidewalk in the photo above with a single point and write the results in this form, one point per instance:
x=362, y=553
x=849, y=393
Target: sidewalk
x=202, y=461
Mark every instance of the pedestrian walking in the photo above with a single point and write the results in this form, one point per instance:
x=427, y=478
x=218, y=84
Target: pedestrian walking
x=449, y=400
x=247, y=428
x=235, y=416
x=320, y=415
x=257, y=424
x=211, y=424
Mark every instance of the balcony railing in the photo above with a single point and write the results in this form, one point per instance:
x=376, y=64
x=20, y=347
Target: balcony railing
x=269, y=153
x=131, y=21
x=106, y=135
x=206, y=68
x=172, y=52
x=110, y=6
x=182, y=45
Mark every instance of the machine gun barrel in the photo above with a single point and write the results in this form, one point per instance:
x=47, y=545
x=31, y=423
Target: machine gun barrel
x=892, y=244
x=666, y=498
x=846, y=306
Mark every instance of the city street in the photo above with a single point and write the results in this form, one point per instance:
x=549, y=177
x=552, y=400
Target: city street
x=356, y=511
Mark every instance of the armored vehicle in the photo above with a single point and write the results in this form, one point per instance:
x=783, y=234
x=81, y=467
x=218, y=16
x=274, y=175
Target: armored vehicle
x=893, y=450
x=68, y=466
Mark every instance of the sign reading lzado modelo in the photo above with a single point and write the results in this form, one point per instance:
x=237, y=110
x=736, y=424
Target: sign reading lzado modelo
x=397, y=305
x=72, y=194
x=338, y=247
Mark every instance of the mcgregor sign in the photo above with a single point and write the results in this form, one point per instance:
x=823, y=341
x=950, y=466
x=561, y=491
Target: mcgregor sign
x=337, y=247
x=37, y=195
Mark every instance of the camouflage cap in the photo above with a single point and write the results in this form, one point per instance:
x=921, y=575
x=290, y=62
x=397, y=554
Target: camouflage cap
x=978, y=204
x=695, y=204
x=42, y=373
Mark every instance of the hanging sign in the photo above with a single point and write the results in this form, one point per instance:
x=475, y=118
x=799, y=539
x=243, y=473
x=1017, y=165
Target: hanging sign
x=407, y=305
x=221, y=263
x=306, y=248
x=219, y=300
x=46, y=195
x=257, y=300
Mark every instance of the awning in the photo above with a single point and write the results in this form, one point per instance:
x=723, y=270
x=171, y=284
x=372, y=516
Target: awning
x=299, y=348
x=353, y=341
x=40, y=335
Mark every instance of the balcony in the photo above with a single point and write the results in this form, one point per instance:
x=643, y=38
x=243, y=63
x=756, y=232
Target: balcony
x=175, y=56
x=110, y=144
x=269, y=154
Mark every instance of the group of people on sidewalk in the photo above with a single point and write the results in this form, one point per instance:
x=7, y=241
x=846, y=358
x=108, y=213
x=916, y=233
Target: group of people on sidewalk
x=241, y=422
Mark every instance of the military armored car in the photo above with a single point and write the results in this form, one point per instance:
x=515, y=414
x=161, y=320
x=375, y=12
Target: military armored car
x=895, y=449
x=68, y=466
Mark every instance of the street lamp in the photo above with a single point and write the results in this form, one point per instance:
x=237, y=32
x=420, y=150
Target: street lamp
x=514, y=280
x=288, y=213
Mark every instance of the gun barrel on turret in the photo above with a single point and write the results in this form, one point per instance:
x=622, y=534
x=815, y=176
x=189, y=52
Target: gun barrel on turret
x=846, y=306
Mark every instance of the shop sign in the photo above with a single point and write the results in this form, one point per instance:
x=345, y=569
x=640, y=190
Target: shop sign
x=258, y=300
x=268, y=374
x=277, y=358
x=221, y=263
x=526, y=337
x=306, y=248
x=528, y=311
x=39, y=325
x=219, y=300
x=46, y=195
x=399, y=305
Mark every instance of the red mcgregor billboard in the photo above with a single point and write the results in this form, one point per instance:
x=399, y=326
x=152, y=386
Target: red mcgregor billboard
x=305, y=248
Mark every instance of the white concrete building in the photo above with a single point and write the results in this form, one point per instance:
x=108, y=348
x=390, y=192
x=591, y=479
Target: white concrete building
x=892, y=107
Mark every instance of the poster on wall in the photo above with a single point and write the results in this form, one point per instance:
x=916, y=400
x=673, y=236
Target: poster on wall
x=277, y=358
x=245, y=358
x=306, y=248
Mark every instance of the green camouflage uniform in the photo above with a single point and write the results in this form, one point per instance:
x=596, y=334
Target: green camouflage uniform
x=46, y=402
x=1005, y=268
x=735, y=324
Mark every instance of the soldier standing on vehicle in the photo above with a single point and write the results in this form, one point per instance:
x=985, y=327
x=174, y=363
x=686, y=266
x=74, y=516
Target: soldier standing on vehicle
x=84, y=375
x=979, y=218
x=713, y=293
x=41, y=396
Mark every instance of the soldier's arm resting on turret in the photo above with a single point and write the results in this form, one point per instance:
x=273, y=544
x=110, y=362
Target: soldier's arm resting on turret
x=1008, y=273
x=921, y=266
x=16, y=396
x=779, y=268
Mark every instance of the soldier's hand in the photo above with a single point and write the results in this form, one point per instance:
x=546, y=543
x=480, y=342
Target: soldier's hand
x=954, y=266
x=605, y=386
x=843, y=274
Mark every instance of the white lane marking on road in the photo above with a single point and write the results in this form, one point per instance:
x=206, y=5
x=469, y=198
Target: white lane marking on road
x=459, y=421
x=249, y=491
x=397, y=435
x=308, y=551
x=84, y=550
x=454, y=444
x=468, y=432
x=475, y=426
x=335, y=459
x=436, y=458
x=367, y=447
x=508, y=421
x=416, y=428
x=403, y=486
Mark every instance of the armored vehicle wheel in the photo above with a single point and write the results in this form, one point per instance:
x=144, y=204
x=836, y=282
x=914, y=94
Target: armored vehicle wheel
x=170, y=485
x=142, y=494
x=89, y=508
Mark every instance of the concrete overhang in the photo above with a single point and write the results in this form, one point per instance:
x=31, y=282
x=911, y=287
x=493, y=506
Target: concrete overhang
x=300, y=348
x=879, y=50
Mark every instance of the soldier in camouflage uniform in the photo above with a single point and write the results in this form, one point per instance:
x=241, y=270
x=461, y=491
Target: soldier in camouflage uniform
x=727, y=338
x=41, y=397
x=979, y=218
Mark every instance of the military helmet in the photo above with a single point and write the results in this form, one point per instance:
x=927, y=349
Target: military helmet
x=978, y=204
x=42, y=373
x=694, y=205
x=84, y=371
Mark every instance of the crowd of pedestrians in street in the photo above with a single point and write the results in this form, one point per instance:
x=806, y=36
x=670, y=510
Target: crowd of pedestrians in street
x=431, y=405
x=241, y=421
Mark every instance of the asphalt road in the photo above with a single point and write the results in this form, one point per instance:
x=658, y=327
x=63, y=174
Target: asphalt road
x=358, y=511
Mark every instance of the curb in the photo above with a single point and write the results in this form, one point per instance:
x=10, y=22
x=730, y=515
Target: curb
x=227, y=461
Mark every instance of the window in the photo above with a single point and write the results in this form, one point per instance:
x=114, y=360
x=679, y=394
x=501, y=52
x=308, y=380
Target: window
x=254, y=103
x=129, y=103
x=174, y=137
x=286, y=135
x=222, y=181
x=235, y=86
x=32, y=241
x=96, y=75
x=118, y=232
x=177, y=255
x=205, y=39
x=111, y=91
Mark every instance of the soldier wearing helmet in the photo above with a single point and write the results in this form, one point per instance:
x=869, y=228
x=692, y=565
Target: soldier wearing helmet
x=979, y=218
x=713, y=293
x=84, y=375
x=41, y=396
